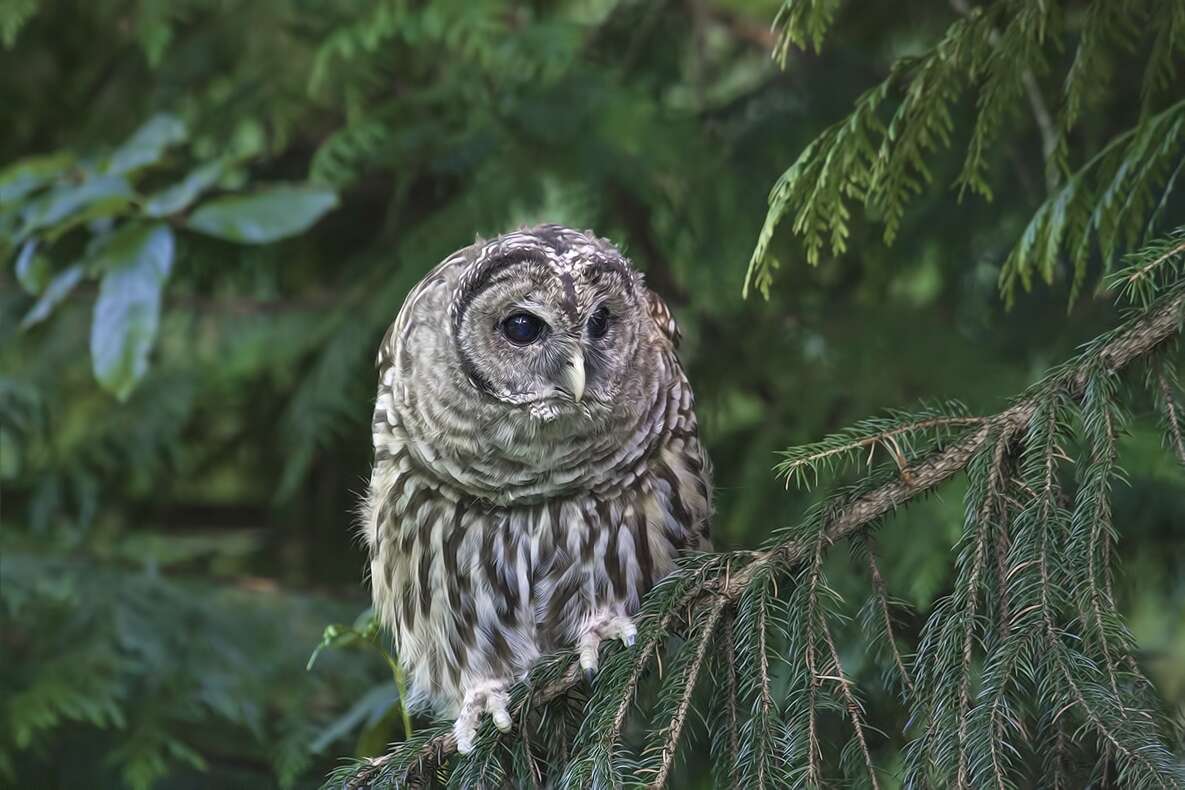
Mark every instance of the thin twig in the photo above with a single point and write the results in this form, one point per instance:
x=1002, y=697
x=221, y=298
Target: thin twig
x=983, y=526
x=1143, y=271
x=730, y=669
x=1100, y=537
x=814, y=750
x=1169, y=403
x=997, y=739
x=1059, y=753
x=887, y=437
x=855, y=711
x=1134, y=756
x=1041, y=114
x=640, y=664
x=676, y=729
x=878, y=586
x=1000, y=544
x=765, y=693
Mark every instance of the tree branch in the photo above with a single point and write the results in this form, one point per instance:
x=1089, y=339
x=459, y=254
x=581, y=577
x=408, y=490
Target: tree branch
x=1135, y=339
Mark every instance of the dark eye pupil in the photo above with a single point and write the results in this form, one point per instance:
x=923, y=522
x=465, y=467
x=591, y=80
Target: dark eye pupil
x=522, y=328
x=598, y=325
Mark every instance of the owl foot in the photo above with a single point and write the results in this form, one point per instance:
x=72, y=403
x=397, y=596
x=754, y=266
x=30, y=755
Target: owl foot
x=602, y=626
x=488, y=696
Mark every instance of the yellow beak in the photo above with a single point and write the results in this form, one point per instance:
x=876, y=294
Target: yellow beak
x=574, y=375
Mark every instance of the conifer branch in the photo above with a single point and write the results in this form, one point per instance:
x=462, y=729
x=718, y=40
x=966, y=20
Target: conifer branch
x=721, y=585
x=1041, y=114
x=1168, y=402
x=879, y=589
x=814, y=768
x=854, y=708
x=731, y=703
x=1099, y=535
x=671, y=743
x=764, y=693
x=997, y=715
x=812, y=456
x=984, y=517
x=1000, y=545
x=1135, y=756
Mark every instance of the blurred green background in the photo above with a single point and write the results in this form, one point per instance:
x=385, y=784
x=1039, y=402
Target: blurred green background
x=229, y=200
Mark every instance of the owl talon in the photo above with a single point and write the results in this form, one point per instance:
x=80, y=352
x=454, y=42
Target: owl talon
x=589, y=643
x=599, y=628
x=589, y=674
x=624, y=629
x=489, y=697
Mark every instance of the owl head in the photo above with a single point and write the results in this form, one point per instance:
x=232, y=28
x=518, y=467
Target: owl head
x=548, y=321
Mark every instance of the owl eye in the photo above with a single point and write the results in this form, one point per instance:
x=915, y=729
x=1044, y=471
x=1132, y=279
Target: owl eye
x=598, y=325
x=523, y=328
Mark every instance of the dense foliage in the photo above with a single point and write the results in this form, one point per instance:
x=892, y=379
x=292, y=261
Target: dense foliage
x=210, y=210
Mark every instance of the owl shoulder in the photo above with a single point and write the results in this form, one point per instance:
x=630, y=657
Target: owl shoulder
x=436, y=286
x=663, y=317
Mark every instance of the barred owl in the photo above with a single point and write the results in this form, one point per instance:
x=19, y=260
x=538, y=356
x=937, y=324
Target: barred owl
x=537, y=465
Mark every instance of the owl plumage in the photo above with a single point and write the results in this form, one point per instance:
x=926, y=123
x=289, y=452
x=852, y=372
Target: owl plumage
x=537, y=465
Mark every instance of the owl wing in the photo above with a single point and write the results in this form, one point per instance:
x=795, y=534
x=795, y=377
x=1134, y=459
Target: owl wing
x=662, y=316
x=442, y=275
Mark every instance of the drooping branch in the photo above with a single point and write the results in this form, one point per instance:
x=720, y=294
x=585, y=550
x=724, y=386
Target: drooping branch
x=676, y=728
x=880, y=591
x=1133, y=340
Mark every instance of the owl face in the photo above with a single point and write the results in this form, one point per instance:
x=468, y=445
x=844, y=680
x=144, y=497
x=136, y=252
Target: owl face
x=548, y=323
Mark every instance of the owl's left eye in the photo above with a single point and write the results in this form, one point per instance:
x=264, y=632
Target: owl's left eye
x=523, y=328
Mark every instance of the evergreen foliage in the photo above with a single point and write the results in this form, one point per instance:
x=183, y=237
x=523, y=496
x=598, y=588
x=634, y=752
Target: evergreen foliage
x=211, y=209
x=1024, y=675
x=879, y=155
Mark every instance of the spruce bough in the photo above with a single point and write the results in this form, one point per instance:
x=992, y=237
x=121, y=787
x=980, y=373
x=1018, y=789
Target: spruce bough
x=1028, y=653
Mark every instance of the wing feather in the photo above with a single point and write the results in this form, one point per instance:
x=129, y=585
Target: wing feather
x=663, y=317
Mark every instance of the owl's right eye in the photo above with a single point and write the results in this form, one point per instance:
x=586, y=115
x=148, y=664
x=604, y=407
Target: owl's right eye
x=523, y=328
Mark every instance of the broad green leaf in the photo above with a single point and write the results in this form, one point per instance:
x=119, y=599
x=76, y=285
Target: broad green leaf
x=66, y=199
x=263, y=216
x=14, y=14
x=127, y=313
x=181, y=195
x=27, y=175
x=148, y=144
x=107, y=208
x=32, y=270
x=57, y=290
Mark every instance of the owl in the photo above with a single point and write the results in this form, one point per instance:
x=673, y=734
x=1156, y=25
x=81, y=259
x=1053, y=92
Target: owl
x=537, y=465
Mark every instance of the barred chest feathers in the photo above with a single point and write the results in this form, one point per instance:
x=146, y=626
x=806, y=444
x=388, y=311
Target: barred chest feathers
x=520, y=505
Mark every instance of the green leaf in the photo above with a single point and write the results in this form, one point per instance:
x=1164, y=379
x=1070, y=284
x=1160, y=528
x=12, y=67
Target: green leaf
x=136, y=265
x=181, y=195
x=264, y=216
x=32, y=270
x=148, y=144
x=57, y=290
x=64, y=200
x=13, y=16
x=27, y=175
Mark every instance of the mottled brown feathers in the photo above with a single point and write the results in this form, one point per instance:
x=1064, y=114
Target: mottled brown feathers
x=517, y=517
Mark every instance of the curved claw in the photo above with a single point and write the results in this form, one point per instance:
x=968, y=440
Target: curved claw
x=600, y=627
x=486, y=697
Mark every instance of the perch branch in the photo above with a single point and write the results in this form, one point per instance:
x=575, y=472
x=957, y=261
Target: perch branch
x=1136, y=339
